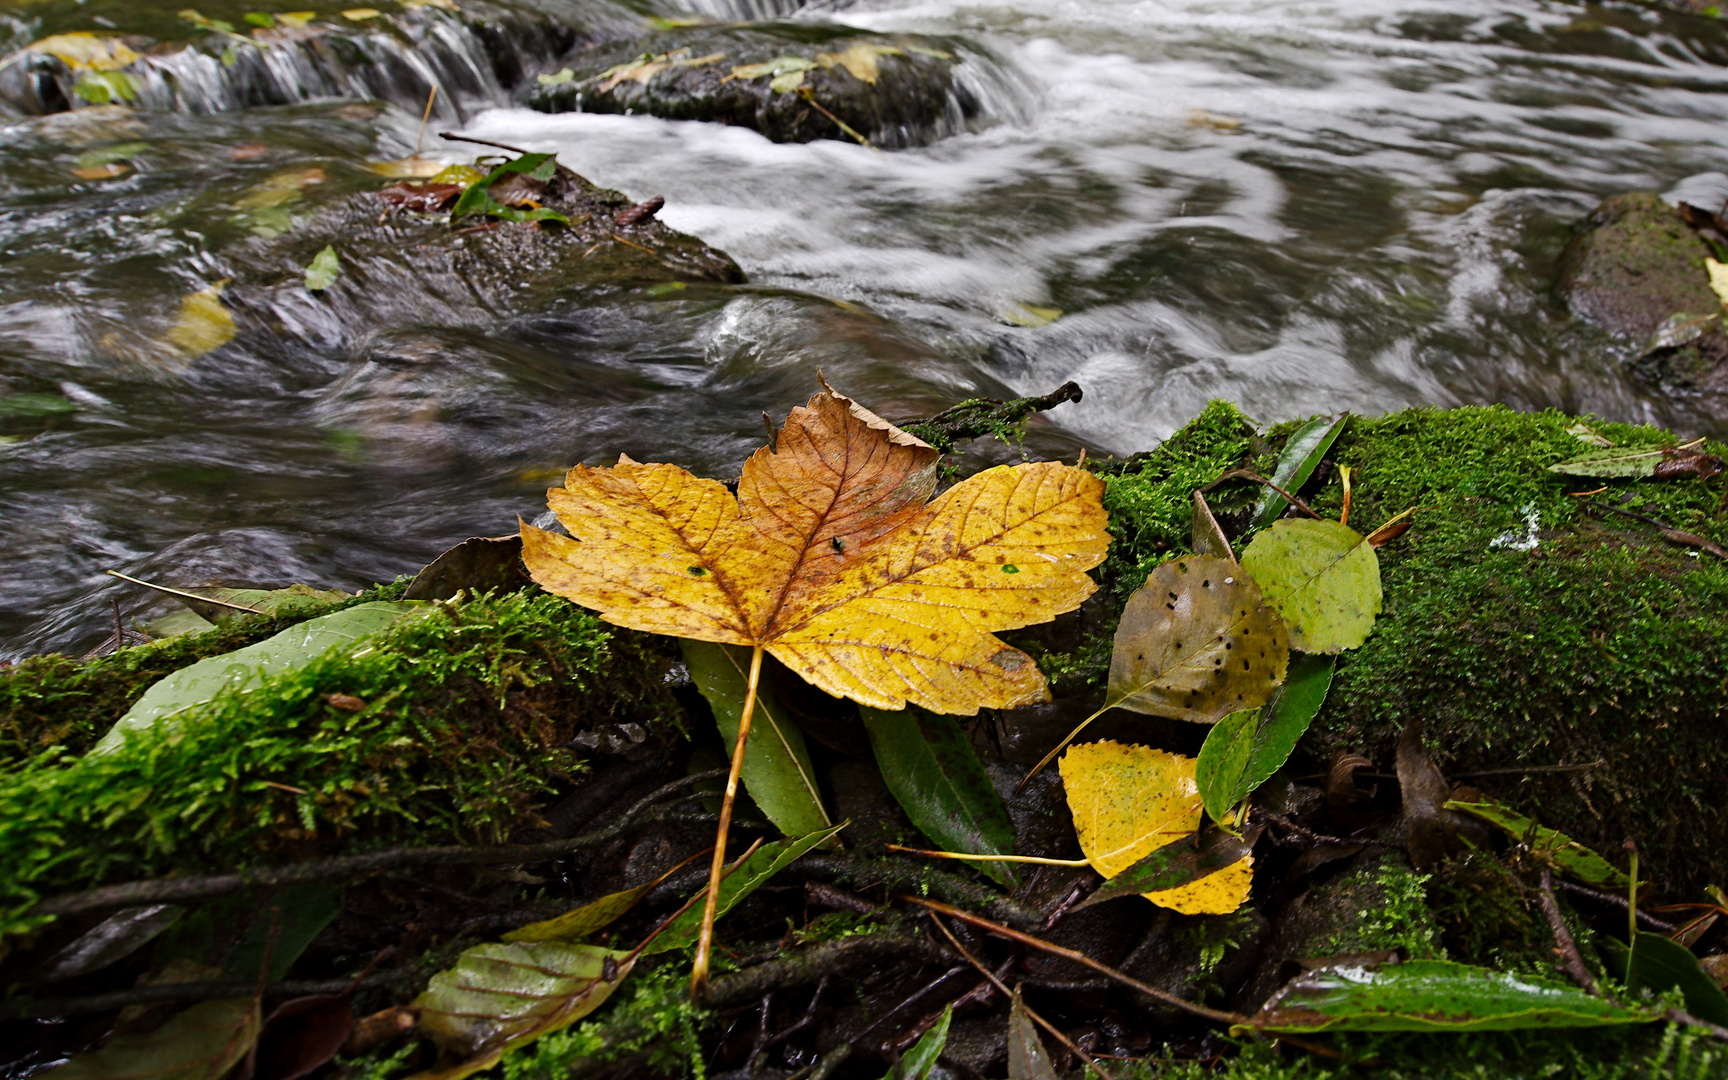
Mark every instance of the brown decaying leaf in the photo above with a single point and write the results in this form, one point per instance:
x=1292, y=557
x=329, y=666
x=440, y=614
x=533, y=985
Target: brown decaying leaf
x=1208, y=537
x=1687, y=462
x=301, y=1035
x=1197, y=643
x=428, y=198
x=642, y=211
x=832, y=560
x=1430, y=827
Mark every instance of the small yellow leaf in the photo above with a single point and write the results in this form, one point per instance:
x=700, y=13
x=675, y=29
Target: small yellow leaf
x=1718, y=279
x=202, y=324
x=296, y=19
x=780, y=65
x=102, y=172
x=84, y=51
x=1202, y=118
x=1127, y=802
x=361, y=14
x=1215, y=894
x=416, y=167
x=860, y=59
x=787, y=83
x=283, y=187
x=1027, y=315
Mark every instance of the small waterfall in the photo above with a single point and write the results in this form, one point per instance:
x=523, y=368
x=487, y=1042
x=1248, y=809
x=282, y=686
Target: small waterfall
x=474, y=62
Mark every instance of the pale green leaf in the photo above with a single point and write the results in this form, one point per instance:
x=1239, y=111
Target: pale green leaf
x=201, y=1043
x=768, y=860
x=322, y=272
x=1322, y=577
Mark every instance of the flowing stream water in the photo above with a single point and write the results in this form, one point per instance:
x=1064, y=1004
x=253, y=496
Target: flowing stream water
x=1300, y=206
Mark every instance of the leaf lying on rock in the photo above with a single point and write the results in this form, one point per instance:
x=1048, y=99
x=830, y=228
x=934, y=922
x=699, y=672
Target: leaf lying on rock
x=1433, y=995
x=236, y=672
x=780, y=65
x=1680, y=329
x=1129, y=801
x=1564, y=853
x=84, y=51
x=201, y=325
x=1322, y=577
x=861, y=59
x=1301, y=456
x=323, y=270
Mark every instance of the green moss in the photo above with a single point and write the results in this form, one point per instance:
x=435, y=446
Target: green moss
x=1653, y=1052
x=52, y=700
x=650, y=1015
x=466, y=725
x=1394, y=915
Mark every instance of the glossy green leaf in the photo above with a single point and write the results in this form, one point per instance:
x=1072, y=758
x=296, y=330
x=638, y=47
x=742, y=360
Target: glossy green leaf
x=930, y=767
x=477, y=198
x=777, y=772
x=1176, y=864
x=1301, y=456
x=1027, y=1057
x=917, y=1062
x=1245, y=748
x=324, y=269
x=173, y=697
x=1434, y=995
x=201, y=1043
x=768, y=860
x=1323, y=578
x=1568, y=855
x=501, y=996
x=1660, y=965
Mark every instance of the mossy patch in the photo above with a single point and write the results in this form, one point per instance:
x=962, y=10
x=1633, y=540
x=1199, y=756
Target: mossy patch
x=1602, y=641
x=463, y=729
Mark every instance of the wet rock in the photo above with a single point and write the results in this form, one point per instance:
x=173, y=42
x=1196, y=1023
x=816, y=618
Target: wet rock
x=791, y=82
x=1634, y=265
x=1196, y=957
x=465, y=273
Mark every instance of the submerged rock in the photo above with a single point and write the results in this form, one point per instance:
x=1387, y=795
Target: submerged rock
x=791, y=82
x=1635, y=270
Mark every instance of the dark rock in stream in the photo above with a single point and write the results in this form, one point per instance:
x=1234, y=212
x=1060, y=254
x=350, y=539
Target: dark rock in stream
x=777, y=79
x=1635, y=269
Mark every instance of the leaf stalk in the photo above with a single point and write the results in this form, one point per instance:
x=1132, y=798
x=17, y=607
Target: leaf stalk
x=705, y=938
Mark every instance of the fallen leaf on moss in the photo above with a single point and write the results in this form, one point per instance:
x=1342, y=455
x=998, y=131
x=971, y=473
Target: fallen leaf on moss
x=1129, y=801
x=831, y=559
x=1322, y=577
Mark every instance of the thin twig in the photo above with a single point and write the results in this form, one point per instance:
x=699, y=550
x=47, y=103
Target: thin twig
x=1079, y=1055
x=182, y=594
x=203, y=887
x=1217, y=1015
x=1250, y=474
x=1681, y=1016
x=1571, y=961
x=1611, y=899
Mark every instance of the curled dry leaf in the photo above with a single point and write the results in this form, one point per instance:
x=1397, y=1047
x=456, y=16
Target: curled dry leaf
x=831, y=559
x=1129, y=801
x=1196, y=643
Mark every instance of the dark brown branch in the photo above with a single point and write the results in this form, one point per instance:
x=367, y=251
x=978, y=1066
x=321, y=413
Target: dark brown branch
x=159, y=993
x=1571, y=961
x=892, y=873
x=1617, y=901
x=986, y=416
x=1250, y=474
x=347, y=867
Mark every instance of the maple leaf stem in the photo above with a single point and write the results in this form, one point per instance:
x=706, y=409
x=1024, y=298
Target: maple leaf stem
x=1109, y=703
x=1039, y=859
x=699, y=970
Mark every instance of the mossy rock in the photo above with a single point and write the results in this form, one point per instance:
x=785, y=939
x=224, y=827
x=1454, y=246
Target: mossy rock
x=455, y=726
x=1631, y=266
x=908, y=94
x=1600, y=642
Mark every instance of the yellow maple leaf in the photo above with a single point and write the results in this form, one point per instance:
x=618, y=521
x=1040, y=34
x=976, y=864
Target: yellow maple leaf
x=1127, y=802
x=833, y=559
x=860, y=59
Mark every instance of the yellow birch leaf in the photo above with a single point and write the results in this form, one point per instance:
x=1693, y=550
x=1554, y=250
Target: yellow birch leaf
x=84, y=51
x=831, y=559
x=1128, y=801
x=860, y=59
x=1718, y=279
x=202, y=324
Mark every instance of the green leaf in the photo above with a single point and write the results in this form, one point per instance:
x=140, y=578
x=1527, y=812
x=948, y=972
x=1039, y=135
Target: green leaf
x=777, y=771
x=173, y=697
x=1434, y=995
x=502, y=996
x=35, y=405
x=768, y=860
x=577, y=924
x=1660, y=965
x=1176, y=864
x=1027, y=1057
x=1301, y=456
x=931, y=769
x=1616, y=462
x=108, y=155
x=321, y=273
x=1322, y=577
x=477, y=198
x=1196, y=643
x=1247, y=747
x=1568, y=855
x=917, y=1062
x=201, y=1043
